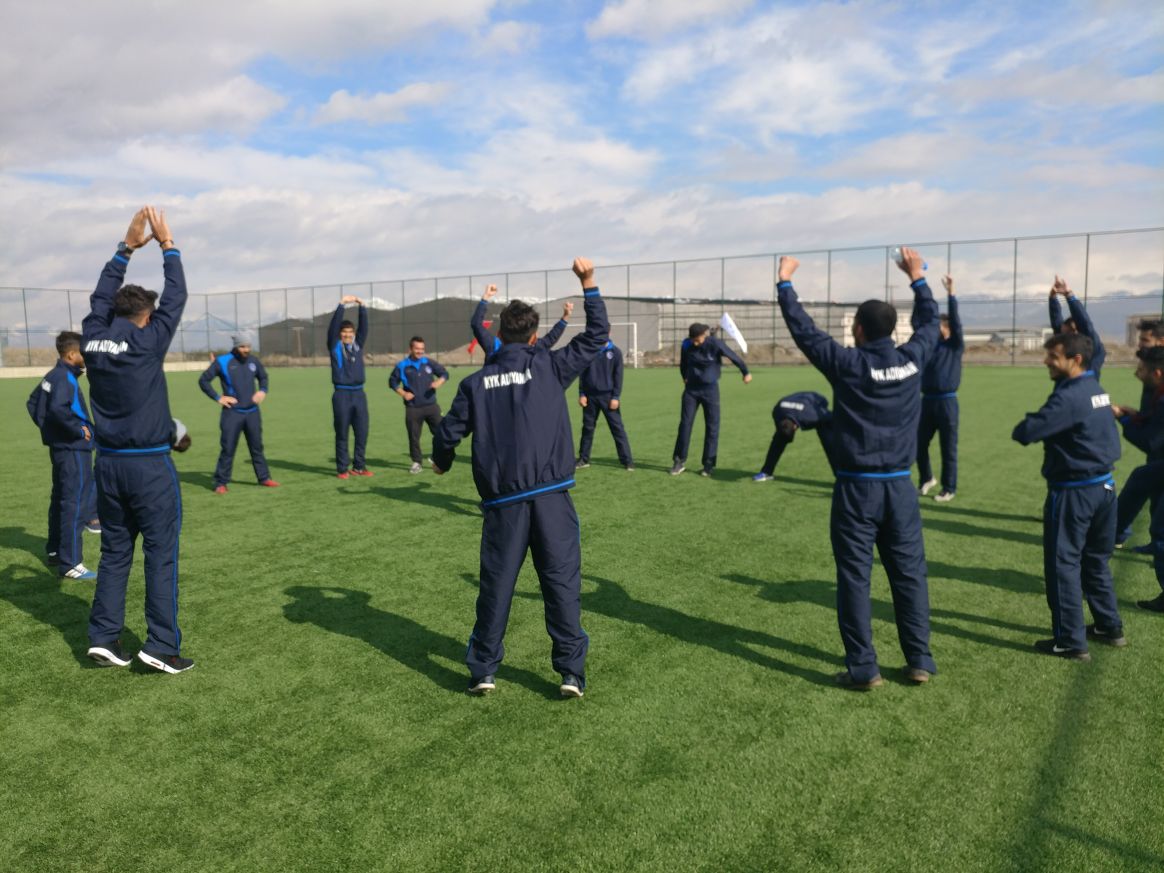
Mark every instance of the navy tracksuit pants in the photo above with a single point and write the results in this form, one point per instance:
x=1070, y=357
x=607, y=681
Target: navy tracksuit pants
x=1156, y=531
x=780, y=443
x=547, y=526
x=349, y=410
x=73, y=503
x=882, y=513
x=1079, y=527
x=706, y=396
x=939, y=414
x=596, y=403
x=1144, y=485
x=138, y=494
x=233, y=424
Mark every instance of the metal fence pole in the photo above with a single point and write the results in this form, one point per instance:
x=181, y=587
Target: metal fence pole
x=69, y=302
x=1014, y=304
x=287, y=321
x=206, y=314
x=775, y=276
x=27, y=330
x=1086, y=265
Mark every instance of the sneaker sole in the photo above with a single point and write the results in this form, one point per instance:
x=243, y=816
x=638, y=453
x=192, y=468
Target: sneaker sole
x=105, y=658
x=570, y=691
x=161, y=666
x=480, y=690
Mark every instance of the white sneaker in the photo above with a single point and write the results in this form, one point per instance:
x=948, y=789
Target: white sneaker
x=80, y=572
x=926, y=487
x=415, y=468
x=944, y=497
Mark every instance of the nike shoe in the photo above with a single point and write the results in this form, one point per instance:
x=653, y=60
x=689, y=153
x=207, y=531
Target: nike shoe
x=944, y=497
x=762, y=477
x=109, y=654
x=846, y=680
x=269, y=483
x=415, y=468
x=927, y=486
x=165, y=663
x=572, y=686
x=678, y=468
x=343, y=474
x=581, y=465
x=482, y=686
x=363, y=472
x=1050, y=647
x=80, y=573
x=1111, y=638
x=93, y=527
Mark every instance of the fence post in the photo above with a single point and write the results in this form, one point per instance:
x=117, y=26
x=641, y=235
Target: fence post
x=27, y=329
x=1086, y=265
x=829, y=294
x=206, y=315
x=69, y=303
x=1014, y=304
x=436, y=308
x=775, y=276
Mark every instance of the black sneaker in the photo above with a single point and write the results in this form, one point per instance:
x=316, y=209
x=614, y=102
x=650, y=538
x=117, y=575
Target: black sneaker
x=572, y=686
x=483, y=685
x=1111, y=638
x=1156, y=604
x=165, y=663
x=109, y=654
x=1049, y=647
x=52, y=559
x=706, y=472
x=678, y=468
x=581, y=464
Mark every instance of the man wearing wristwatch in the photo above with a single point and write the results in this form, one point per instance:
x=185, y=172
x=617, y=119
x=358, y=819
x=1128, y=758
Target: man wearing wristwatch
x=124, y=344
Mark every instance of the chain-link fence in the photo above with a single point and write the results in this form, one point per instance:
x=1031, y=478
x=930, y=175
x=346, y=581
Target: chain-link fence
x=1001, y=285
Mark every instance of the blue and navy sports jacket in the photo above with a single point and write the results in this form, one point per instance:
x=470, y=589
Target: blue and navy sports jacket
x=515, y=410
x=603, y=378
x=1083, y=322
x=347, y=362
x=417, y=377
x=58, y=405
x=490, y=343
x=876, y=387
x=1080, y=440
x=943, y=373
x=1145, y=429
x=700, y=365
x=807, y=408
x=238, y=376
x=127, y=387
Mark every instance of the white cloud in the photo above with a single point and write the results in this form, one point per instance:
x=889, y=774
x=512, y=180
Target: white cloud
x=509, y=38
x=381, y=108
x=649, y=19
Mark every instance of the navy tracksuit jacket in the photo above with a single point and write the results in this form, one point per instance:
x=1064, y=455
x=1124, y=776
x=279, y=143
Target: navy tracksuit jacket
x=1144, y=430
x=523, y=465
x=238, y=376
x=939, y=407
x=1080, y=447
x=490, y=344
x=349, y=403
x=700, y=366
x=1083, y=323
x=58, y=405
x=137, y=485
x=810, y=411
x=876, y=408
x=601, y=383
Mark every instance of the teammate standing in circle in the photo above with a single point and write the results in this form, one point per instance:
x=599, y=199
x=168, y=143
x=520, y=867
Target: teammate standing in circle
x=700, y=366
x=349, y=403
x=939, y=408
x=416, y=379
x=600, y=390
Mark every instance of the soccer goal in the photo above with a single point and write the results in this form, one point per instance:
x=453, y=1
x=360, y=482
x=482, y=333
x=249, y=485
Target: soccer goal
x=624, y=334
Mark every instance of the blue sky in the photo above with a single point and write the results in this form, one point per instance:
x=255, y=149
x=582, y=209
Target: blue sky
x=297, y=143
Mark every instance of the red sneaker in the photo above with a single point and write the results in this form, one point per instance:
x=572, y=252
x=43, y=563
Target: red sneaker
x=221, y=489
x=343, y=475
x=362, y=473
x=269, y=483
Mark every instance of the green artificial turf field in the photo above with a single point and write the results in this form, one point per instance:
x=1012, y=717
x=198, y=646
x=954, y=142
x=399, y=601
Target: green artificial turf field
x=325, y=725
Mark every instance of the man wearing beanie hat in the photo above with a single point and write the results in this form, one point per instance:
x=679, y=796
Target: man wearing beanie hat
x=238, y=371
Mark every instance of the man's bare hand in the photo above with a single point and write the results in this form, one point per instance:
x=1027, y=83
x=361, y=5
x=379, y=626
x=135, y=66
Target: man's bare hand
x=226, y=401
x=747, y=378
x=408, y=395
x=788, y=265
x=260, y=396
x=139, y=231
x=88, y=434
x=584, y=270
x=912, y=264
x=350, y=299
x=161, y=230
x=582, y=401
x=1060, y=286
x=567, y=311
x=438, y=383
x=490, y=292
x=948, y=284
x=614, y=404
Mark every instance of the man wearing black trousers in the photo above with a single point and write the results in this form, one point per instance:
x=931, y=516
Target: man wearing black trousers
x=523, y=465
x=57, y=405
x=125, y=344
x=1080, y=448
x=877, y=404
x=805, y=410
x=416, y=379
x=239, y=372
x=939, y=407
x=349, y=404
x=700, y=365
x=600, y=390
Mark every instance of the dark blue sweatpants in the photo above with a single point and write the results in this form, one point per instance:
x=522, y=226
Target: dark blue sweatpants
x=73, y=502
x=939, y=414
x=882, y=513
x=1144, y=485
x=138, y=494
x=1079, y=527
x=596, y=403
x=233, y=424
x=706, y=396
x=1156, y=531
x=547, y=526
x=349, y=410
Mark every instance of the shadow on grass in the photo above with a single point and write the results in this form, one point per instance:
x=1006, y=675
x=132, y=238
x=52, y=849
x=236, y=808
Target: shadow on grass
x=420, y=493
x=953, y=508
x=1008, y=580
x=199, y=480
x=350, y=613
x=931, y=521
x=20, y=539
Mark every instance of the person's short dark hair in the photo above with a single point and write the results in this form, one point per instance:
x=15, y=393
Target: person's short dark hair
x=183, y=444
x=1073, y=344
x=420, y=339
x=787, y=428
x=1154, y=326
x=68, y=340
x=697, y=329
x=518, y=322
x=877, y=319
x=347, y=325
x=133, y=300
x=1153, y=356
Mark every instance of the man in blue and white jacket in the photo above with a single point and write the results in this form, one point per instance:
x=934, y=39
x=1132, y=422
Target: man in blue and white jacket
x=416, y=379
x=523, y=466
x=600, y=391
x=939, y=407
x=244, y=386
x=700, y=364
x=349, y=403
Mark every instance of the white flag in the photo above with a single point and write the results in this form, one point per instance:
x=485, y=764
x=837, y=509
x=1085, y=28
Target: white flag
x=734, y=332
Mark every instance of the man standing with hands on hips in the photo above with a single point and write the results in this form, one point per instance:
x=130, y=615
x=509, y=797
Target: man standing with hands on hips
x=416, y=379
